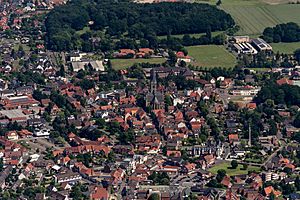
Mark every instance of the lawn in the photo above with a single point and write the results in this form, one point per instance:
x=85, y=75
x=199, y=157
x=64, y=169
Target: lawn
x=84, y=30
x=259, y=69
x=232, y=172
x=287, y=48
x=211, y=56
x=125, y=63
x=196, y=35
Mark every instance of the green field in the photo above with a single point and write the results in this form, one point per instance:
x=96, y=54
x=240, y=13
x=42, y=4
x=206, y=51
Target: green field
x=287, y=48
x=84, y=30
x=232, y=172
x=125, y=63
x=196, y=35
x=253, y=19
x=253, y=16
x=211, y=56
x=259, y=69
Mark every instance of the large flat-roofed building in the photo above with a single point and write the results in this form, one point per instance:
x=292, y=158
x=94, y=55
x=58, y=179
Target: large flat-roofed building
x=16, y=102
x=80, y=65
x=241, y=39
x=261, y=45
x=245, y=48
x=15, y=115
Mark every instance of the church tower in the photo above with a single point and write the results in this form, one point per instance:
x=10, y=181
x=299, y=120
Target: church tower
x=154, y=98
x=153, y=82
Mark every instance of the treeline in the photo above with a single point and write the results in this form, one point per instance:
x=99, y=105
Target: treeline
x=130, y=20
x=289, y=32
x=280, y=94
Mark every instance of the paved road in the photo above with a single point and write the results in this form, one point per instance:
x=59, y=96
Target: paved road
x=275, y=153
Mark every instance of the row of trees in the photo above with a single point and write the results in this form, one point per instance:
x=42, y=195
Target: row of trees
x=138, y=21
x=289, y=32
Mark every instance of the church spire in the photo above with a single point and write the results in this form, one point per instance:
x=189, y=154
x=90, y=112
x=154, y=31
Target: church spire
x=153, y=81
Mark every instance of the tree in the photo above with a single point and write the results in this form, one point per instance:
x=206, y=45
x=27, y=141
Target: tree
x=272, y=196
x=245, y=166
x=208, y=33
x=168, y=101
x=1, y=164
x=234, y=164
x=38, y=95
x=232, y=106
x=297, y=183
x=297, y=121
x=219, y=2
x=297, y=55
x=221, y=173
x=154, y=196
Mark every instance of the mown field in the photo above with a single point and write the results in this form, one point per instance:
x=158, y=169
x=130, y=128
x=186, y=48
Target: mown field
x=118, y=64
x=253, y=19
x=211, y=56
x=253, y=16
x=287, y=48
x=232, y=172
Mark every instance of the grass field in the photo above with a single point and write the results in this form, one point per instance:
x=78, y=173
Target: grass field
x=287, y=48
x=84, y=30
x=253, y=19
x=253, y=16
x=259, y=69
x=196, y=35
x=232, y=172
x=125, y=63
x=211, y=56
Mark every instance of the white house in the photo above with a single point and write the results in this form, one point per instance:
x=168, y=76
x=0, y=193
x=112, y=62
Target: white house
x=41, y=133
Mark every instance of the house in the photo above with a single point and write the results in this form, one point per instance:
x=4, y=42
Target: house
x=41, y=132
x=181, y=57
x=226, y=182
x=75, y=57
x=233, y=138
x=68, y=176
x=244, y=91
x=99, y=193
x=209, y=159
x=144, y=52
x=283, y=81
x=268, y=190
x=11, y=135
x=241, y=39
x=125, y=53
x=173, y=153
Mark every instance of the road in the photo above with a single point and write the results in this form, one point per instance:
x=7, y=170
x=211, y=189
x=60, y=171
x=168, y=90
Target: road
x=224, y=96
x=274, y=153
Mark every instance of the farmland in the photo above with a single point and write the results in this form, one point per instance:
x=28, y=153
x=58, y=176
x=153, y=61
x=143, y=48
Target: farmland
x=287, y=48
x=253, y=19
x=125, y=63
x=211, y=56
x=253, y=16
